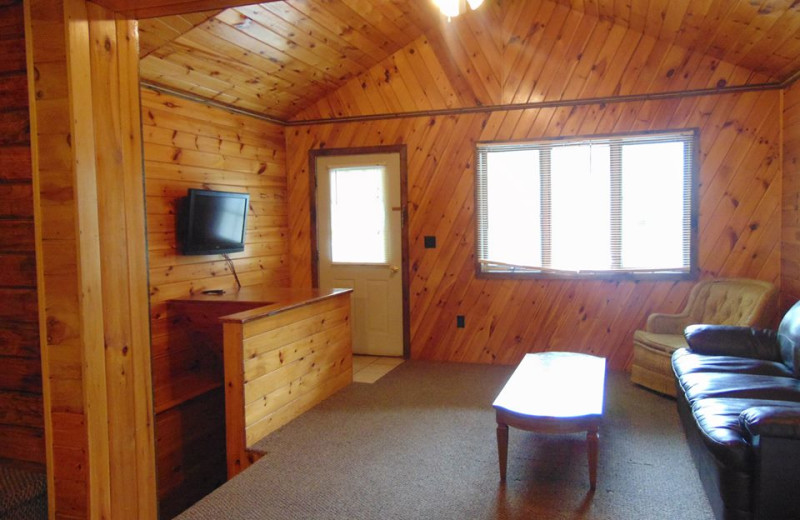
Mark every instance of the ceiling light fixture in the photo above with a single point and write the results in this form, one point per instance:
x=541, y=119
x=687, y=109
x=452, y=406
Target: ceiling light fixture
x=451, y=8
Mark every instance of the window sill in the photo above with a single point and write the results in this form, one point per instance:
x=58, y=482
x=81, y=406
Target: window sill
x=594, y=275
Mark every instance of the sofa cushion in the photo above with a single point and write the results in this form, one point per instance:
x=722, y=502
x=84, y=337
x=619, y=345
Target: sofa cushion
x=667, y=343
x=701, y=385
x=684, y=361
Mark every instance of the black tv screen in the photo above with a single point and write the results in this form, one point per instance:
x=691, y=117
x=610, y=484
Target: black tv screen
x=214, y=222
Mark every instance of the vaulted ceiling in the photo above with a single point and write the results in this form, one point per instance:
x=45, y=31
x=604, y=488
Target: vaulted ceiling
x=279, y=58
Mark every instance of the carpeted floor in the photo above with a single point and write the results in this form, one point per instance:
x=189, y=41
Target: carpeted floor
x=23, y=494
x=420, y=444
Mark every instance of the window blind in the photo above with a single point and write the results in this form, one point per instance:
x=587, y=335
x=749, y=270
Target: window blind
x=650, y=180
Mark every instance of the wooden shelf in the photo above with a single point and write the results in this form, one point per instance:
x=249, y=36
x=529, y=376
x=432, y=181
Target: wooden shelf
x=184, y=387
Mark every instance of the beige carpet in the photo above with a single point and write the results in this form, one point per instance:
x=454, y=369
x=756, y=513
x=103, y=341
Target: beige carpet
x=420, y=444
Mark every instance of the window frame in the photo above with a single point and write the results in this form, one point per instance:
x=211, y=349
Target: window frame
x=607, y=275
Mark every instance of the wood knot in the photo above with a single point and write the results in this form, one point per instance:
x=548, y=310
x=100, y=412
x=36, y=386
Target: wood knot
x=56, y=330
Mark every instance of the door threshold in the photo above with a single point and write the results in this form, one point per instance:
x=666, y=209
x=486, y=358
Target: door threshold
x=369, y=369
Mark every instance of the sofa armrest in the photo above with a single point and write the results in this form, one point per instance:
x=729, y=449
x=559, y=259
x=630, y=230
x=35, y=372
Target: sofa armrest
x=729, y=340
x=774, y=433
x=772, y=421
x=659, y=323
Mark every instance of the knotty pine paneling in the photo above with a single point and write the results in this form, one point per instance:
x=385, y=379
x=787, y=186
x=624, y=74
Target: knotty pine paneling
x=117, y=369
x=751, y=34
x=531, y=52
x=790, y=221
x=21, y=413
x=67, y=444
x=156, y=32
x=277, y=57
x=189, y=145
x=739, y=222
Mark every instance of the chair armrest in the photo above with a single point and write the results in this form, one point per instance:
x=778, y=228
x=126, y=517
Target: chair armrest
x=659, y=323
x=729, y=340
x=772, y=421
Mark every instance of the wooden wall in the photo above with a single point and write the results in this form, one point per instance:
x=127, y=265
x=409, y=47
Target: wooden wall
x=739, y=225
x=740, y=182
x=21, y=415
x=189, y=145
x=790, y=222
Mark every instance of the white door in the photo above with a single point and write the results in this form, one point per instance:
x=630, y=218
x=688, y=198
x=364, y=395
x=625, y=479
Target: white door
x=359, y=244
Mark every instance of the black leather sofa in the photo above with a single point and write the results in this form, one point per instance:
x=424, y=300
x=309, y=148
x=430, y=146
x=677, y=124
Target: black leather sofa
x=738, y=397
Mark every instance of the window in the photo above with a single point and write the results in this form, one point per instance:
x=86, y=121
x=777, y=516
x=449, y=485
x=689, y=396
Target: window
x=587, y=206
x=358, y=215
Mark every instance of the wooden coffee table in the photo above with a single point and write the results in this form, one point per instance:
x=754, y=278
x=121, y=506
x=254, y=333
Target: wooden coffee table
x=553, y=392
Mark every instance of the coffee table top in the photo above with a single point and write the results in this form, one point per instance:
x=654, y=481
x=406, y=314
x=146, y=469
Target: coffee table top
x=555, y=384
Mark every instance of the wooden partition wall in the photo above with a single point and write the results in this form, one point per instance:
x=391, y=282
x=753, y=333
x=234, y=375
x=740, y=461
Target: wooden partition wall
x=190, y=145
x=21, y=415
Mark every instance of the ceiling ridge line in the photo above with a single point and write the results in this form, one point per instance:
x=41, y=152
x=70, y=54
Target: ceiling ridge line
x=775, y=85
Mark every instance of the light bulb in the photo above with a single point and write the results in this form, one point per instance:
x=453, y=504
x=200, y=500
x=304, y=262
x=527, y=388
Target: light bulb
x=449, y=8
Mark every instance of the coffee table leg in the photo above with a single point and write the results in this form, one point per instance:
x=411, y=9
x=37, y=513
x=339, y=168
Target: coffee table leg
x=592, y=442
x=502, y=448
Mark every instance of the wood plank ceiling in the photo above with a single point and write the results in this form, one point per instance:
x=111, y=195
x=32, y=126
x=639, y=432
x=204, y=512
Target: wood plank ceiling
x=279, y=58
x=274, y=58
x=761, y=35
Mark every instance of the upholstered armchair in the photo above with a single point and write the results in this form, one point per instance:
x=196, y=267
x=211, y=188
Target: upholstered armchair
x=731, y=301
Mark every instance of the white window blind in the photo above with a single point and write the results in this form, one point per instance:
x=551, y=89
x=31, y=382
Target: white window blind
x=587, y=206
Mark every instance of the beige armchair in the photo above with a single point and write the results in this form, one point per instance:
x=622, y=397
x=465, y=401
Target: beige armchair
x=732, y=301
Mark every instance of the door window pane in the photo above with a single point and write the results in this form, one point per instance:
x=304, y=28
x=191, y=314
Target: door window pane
x=358, y=215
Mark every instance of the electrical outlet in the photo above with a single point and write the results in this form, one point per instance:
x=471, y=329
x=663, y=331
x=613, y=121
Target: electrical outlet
x=460, y=321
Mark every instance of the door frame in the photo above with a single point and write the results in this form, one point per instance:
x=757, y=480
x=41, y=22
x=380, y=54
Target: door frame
x=312, y=192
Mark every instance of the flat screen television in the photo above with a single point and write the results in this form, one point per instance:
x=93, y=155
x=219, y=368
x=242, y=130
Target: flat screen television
x=213, y=222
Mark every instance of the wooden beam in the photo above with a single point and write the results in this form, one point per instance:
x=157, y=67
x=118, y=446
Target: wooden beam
x=123, y=266
x=89, y=283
